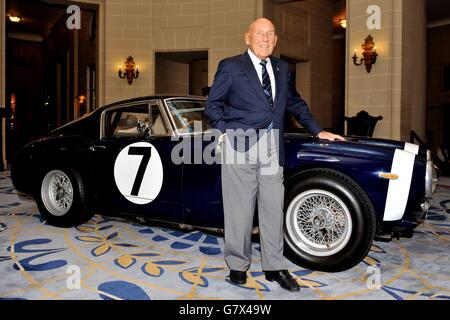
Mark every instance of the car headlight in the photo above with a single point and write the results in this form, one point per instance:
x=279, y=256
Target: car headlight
x=430, y=176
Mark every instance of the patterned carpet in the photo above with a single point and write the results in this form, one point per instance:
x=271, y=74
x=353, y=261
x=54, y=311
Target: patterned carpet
x=120, y=259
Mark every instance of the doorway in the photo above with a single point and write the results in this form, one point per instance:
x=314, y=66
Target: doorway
x=291, y=125
x=47, y=66
x=181, y=72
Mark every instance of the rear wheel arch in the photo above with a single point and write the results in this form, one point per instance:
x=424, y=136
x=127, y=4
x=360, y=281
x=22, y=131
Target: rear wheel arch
x=58, y=157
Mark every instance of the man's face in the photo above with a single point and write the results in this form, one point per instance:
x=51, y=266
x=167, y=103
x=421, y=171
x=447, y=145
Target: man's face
x=261, y=38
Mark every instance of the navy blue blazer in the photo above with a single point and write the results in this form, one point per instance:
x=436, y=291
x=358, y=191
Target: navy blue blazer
x=237, y=101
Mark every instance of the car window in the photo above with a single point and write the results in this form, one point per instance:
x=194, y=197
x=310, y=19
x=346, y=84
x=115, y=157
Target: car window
x=123, y=122
x=184, y=112
x=158, y=124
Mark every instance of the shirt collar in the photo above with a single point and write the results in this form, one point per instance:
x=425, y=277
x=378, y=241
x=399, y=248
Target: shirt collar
x=255, y=59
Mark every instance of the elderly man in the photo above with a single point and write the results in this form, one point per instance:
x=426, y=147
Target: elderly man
x=252, y=91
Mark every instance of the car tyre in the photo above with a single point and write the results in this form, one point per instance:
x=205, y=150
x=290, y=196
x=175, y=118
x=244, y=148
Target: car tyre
x=61, y=198
x=330, y=222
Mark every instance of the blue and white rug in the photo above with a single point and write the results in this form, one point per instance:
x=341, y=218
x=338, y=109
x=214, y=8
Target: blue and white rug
x=112, y=258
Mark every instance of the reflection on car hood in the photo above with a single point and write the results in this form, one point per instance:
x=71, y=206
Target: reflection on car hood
x=353, y=146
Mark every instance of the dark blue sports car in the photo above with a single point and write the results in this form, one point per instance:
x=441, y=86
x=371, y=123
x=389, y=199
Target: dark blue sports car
x=142, y=157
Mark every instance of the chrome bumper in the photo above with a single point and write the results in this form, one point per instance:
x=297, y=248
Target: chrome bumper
x=425, y=206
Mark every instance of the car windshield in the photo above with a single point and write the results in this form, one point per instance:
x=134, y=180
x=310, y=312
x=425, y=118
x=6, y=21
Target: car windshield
x=184, y=112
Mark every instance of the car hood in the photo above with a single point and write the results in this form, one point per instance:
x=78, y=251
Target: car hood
x=358, y=147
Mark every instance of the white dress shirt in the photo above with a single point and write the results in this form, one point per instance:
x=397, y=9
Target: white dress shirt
x=256, y=63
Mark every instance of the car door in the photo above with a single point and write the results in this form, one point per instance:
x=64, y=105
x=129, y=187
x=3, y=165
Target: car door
x=202, y=190
x=135, y=173
x=202, y=195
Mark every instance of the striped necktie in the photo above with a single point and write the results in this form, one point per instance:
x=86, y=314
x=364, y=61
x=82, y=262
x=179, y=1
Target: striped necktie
x=266, y=83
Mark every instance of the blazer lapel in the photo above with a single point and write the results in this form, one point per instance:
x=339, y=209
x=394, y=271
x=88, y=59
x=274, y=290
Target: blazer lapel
x=276, y=72
x=250, y=72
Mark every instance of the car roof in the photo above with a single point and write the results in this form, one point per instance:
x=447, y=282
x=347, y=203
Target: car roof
x=96, y=112
x=156, y=96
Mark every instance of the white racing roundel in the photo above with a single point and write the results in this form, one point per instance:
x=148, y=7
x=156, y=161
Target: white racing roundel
x=138, y=172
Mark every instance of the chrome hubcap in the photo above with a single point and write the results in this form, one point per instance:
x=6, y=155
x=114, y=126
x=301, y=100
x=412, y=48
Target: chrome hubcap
x=57, y=193
x=318, y=222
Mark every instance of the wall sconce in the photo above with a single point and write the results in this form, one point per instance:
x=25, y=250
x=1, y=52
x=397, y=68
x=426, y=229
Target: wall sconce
x=15, y=19
x=369, y=53
x=343, y=23
x=81, y=99
x=130, y=72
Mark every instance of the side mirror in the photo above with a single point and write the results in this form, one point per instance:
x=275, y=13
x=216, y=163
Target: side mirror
x=143, y=129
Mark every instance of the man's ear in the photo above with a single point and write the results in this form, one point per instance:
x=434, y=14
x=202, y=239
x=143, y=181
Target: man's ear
x=275, y=41
x=247, y=38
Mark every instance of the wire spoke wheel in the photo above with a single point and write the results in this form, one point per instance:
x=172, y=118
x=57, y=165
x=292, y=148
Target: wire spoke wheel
x=57, y=193
x=319, y=222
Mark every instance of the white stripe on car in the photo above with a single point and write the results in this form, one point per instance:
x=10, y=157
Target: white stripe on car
x=398, y=190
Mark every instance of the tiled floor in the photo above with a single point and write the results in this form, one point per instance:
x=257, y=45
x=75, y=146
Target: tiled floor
x=120, y=259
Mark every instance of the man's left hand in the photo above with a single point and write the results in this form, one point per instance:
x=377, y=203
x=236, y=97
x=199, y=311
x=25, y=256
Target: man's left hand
x=325, y=135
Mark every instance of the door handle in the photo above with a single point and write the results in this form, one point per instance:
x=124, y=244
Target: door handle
x=97, y=147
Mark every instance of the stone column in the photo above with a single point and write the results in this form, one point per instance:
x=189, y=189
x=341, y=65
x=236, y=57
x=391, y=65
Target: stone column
x=2, y=85
x=396, y=86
